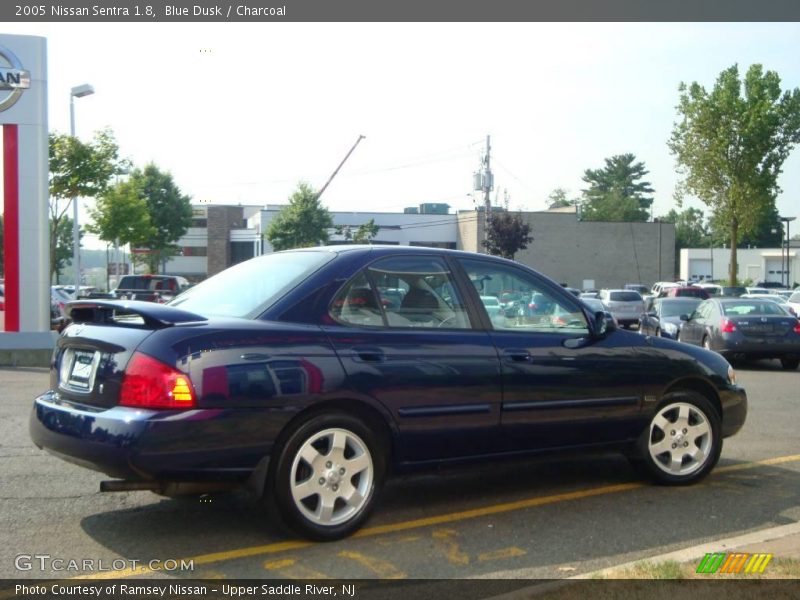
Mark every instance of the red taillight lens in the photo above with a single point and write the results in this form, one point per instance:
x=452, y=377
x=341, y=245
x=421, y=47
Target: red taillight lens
x=727, y=326
x=150, y=383
x=797, y=327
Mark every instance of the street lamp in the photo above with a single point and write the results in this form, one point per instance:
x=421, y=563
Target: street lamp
x=78, y=91
x=786, y=220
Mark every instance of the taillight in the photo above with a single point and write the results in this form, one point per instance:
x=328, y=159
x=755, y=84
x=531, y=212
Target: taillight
x=727, y=326
x=150, y=383
x=797, y=327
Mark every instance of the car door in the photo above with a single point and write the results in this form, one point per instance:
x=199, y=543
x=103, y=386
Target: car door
x=406, y=339
x=561, y=386
x=692, y=330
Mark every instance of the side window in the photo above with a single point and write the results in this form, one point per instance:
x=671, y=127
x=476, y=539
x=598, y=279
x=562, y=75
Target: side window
x=418, y=291
x=516, y=301
x=356, y=304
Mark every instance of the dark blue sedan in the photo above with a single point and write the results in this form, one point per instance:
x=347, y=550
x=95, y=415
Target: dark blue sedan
x=292, y=373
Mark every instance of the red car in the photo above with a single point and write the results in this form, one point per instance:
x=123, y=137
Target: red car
x=685, y=292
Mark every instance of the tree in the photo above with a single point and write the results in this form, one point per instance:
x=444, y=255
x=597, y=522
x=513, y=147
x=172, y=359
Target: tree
x=121, y=215
x=615, y=192
x=363, y=235
x=558, y=199
x=78, y=170
x=690, y=230
x=304, y=222
x=730, y=145
x=767, y=230
x=63, y=246
x=169, y=210
x=507, y=234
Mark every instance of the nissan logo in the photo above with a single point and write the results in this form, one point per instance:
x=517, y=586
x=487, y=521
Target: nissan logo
x=13, y=78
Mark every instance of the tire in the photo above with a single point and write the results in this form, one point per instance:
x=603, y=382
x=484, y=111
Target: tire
x=790, y=363
x=657, y=333
x=683, y=440
x=326, y=479
x=707, y=343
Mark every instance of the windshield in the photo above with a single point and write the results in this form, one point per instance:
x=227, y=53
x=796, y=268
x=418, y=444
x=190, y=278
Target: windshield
x=676, y=309
x=248, y=288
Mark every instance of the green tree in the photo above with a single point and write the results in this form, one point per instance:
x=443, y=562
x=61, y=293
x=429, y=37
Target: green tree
x=304, y=222
x=616, y=192
x=691, y=230
x=507, y=234
x=767, y=230
x=558, y=199
x=169, y=210
x=121, y=215
x=63, y=246
x=730, y=145
x=78, y=170
x=363, y=234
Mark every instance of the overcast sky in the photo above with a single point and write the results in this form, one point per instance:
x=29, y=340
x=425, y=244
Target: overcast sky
x=239, y=113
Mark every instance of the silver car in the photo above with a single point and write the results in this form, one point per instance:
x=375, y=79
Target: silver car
x=626, y=306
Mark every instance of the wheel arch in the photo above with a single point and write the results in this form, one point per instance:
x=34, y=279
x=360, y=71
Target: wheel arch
x=704, y=388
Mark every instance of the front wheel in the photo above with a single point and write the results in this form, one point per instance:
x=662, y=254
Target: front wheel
x=683, y=440
x=326, y=479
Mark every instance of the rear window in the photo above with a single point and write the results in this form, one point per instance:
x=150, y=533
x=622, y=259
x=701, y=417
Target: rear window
x=744, y=308
x=626, y=296
x=248, y=288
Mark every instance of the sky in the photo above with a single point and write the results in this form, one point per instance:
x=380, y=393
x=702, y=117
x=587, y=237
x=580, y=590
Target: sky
x=239, y=113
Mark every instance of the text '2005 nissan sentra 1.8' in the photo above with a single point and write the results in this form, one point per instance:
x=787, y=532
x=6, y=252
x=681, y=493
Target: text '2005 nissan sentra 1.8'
x=312, y=374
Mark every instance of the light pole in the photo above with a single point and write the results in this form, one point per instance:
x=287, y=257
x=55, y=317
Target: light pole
x=77, y=92
x=786, y=220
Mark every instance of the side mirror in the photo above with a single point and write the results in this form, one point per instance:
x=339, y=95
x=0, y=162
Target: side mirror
x=652, y=314
x=603, y=324
x=684, y=317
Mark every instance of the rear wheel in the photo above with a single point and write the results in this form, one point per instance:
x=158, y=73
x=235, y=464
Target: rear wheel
x=790, y=363
x=683, y=440
x=707, y=342
x=325, y=481
x=658, y=333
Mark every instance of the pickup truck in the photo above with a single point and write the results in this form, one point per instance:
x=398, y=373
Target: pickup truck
x=150, y=288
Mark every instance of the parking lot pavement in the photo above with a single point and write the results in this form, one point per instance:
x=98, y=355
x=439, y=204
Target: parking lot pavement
x=547, y=518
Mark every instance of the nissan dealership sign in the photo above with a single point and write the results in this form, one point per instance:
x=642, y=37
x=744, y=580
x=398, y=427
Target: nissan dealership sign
x=13, y=79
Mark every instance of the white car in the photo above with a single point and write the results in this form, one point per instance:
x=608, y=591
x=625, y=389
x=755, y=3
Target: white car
x=794, y=302
x=626, y=306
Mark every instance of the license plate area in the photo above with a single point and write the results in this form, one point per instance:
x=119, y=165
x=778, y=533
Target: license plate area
x=78, y=370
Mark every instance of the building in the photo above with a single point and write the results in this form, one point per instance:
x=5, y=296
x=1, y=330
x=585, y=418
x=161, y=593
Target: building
x=754, y=264
x=581, y=254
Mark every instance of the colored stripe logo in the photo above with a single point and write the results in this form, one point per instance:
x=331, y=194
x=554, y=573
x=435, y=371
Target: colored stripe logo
x=734, y=562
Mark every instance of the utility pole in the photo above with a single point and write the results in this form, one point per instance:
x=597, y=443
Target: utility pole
x=487, y=188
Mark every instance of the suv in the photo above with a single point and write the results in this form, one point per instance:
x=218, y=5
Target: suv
x=150, y=288
x=626, y=306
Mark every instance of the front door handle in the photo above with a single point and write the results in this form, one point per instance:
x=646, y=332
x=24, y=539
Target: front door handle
x=517, y=355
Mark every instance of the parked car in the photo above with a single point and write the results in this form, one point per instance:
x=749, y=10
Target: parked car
x=664, y=318
x=794, y=302
x=58, y=308
x=287, y=372
x=744, y=328
x=779, y=300
x=637, y=287
x=712, y=289
x=150, y=288
x=660, y=286
x=756, y=290
x=626, y=305
x=733, y=290
x=2, y=297
x=685, y=292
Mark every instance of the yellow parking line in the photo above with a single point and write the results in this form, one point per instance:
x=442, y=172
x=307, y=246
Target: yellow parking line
x=289, y=569
x=495, y=509
x=381, y=568
x=501, y=554
x=445, y=538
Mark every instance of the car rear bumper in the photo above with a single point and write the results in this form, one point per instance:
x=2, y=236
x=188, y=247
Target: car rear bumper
x=734, y=409
x=135, y=444
x=756, y=347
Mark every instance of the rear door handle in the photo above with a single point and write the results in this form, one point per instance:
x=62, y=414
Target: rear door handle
x=369, y=354
x=517, y=355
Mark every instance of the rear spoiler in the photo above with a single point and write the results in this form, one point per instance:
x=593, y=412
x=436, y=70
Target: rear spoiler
x=155, y=316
